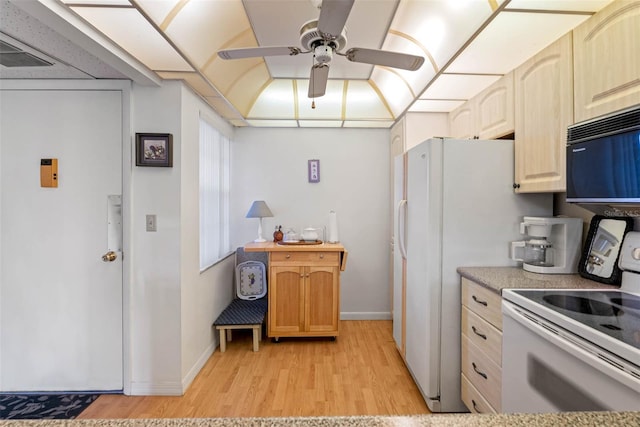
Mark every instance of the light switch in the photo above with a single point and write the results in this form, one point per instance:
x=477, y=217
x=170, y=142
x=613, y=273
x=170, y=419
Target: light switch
x=152, y=224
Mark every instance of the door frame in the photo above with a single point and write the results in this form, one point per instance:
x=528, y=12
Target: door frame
x=125, y=88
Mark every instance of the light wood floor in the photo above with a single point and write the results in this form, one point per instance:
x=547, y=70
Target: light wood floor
x=361, y=373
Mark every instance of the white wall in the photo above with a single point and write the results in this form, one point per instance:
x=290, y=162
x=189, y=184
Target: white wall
x=173, y=305
x=203, y=295
x=271, y=165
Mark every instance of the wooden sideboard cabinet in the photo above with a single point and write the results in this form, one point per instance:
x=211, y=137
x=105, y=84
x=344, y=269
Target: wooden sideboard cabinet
x=303, y=289
x=481, y=341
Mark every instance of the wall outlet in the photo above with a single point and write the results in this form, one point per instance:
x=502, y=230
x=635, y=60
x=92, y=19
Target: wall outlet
x=152, y=224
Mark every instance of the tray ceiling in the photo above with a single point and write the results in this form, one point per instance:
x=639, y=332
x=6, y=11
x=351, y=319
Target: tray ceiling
x=467, y=44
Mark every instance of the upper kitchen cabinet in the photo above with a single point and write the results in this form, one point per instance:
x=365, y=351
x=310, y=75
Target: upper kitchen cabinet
x=488, y=115
x=544, y=109
x=462, y=121
x=607, y=60
x=495, y=109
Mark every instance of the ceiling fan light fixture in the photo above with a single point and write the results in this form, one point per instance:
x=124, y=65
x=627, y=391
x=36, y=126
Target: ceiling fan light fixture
x=323, y=53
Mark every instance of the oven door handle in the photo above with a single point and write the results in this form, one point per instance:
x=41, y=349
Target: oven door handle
x=577, y=347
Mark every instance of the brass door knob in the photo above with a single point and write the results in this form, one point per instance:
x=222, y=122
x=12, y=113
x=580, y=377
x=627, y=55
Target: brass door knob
x=109, y=256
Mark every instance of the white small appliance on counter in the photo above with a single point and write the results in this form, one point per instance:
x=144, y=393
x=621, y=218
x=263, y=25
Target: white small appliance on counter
x=553, y=245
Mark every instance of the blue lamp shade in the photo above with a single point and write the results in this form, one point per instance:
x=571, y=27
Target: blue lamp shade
x=259, y=209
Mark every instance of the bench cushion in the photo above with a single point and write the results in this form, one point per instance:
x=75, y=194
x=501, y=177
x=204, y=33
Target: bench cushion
x=243, y=312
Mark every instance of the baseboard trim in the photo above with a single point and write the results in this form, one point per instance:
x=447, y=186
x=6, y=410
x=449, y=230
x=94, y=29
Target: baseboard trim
x=372, y=315
x=156, y=389
x=202, y=360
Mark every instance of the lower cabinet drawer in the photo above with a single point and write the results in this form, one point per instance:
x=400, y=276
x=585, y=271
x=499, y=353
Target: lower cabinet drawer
x=482, y=334
x=292, y=258
x=475, y=401
x=483, y=301
x=484, y=374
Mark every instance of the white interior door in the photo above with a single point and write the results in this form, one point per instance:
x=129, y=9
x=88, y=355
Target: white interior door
x=61, y=304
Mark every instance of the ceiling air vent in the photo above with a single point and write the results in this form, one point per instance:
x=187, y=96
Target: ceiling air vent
x=11, y=56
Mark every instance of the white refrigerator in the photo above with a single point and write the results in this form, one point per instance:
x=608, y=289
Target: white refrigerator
x=460, y=210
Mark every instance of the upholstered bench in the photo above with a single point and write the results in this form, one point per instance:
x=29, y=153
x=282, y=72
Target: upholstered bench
x=242, y=314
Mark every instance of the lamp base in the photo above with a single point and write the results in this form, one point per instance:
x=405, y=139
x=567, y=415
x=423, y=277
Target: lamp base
x=259, y=240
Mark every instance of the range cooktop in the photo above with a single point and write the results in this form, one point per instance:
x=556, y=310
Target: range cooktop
x=615, y=315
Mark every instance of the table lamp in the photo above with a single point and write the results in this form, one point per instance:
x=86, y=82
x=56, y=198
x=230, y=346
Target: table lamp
x=259, y=209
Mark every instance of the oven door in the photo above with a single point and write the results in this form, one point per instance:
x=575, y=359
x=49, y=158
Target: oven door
x=547, y=369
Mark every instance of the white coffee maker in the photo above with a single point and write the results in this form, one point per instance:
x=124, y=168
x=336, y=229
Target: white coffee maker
x=552, y=247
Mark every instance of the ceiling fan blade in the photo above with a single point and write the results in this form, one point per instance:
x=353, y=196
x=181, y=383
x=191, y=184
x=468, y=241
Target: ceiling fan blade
x=318, y=80
x=333, y=16
x=254, y=52
x=385, y=57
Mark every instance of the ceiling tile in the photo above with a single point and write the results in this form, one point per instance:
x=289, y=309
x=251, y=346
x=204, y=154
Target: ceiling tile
x=512, y=38
x=129, y=29
x=329, y=107
x=458, y=86
x=273, y=123
x=320, y=123
x=441, y=27
x=382, y=124
x=435, y=105
x=566, y=5
x=275, y=101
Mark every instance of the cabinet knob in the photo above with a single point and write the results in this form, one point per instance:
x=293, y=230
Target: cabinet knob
x=288, y=256
x=321, y=256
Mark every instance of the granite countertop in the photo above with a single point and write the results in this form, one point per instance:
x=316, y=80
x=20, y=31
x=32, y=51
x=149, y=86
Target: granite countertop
x=499, y=278
x=583, y=419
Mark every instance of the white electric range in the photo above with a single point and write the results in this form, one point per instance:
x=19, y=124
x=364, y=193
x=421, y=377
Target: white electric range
x=574, y=350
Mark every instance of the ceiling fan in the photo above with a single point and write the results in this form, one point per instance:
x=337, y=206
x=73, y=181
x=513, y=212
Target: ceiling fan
x=325, y=37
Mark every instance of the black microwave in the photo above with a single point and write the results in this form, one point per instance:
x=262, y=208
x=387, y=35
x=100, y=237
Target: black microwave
x=603, y=159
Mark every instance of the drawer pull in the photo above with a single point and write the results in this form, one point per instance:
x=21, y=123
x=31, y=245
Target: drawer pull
x=321, y=256
x=479, y=301
x=475, y=406
x=288, y=256
x=475, y=331
x=475, y=368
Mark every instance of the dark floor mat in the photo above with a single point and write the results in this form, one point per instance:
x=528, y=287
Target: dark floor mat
x=43, y=406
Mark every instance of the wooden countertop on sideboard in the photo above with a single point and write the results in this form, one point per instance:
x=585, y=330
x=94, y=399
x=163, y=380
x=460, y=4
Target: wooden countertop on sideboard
x=274, y=247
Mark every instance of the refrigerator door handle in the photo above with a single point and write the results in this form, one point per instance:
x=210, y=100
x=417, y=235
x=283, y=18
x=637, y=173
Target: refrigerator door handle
x=402, y=221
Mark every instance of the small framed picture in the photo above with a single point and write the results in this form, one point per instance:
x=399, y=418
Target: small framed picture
x=154, y=149
x=314, y=170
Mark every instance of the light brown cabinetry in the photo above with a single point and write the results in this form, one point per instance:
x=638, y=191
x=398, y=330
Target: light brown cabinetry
x=462, y=121
x=304, y=294
x=607, y=60
x=481, y=348
x=544, y=109
x=488, y=115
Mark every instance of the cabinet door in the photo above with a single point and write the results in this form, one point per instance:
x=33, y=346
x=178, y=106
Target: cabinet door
x=321, y=299
x=544, y=109
x=607, y=61
x=462, y=121
x=495, y=109
x=286, y=300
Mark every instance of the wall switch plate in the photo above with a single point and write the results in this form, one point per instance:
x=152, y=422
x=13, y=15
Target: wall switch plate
x=152, y=224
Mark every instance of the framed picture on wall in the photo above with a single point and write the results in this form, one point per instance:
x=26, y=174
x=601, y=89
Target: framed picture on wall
x=314, y=170
x=154, y=149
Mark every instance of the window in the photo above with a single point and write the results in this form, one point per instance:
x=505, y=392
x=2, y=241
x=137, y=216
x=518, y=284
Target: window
x=214, y=195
